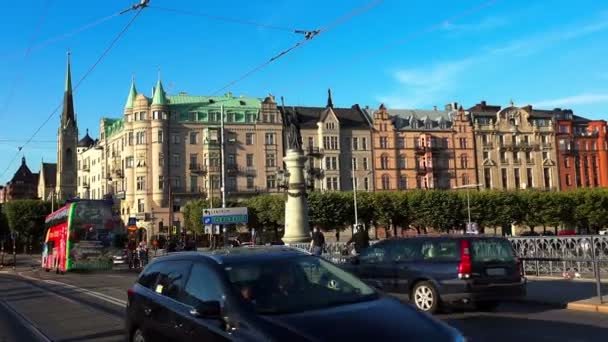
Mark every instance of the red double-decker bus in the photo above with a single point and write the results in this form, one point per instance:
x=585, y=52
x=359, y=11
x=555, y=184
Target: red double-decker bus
x=83, y=234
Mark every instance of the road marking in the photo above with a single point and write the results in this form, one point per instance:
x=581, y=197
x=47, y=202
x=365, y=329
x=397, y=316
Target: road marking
x=101, y=296
x=33, y=328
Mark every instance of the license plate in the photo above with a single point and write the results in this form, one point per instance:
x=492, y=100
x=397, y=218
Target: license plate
x=496, y=271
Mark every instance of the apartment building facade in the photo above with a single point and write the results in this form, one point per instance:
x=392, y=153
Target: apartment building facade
x=515, y=147
x=338, y=144
x=165, y=151
x=582, y=152
x=423, y=149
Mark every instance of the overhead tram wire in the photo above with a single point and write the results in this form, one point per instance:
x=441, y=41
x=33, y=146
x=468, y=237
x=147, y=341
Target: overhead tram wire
x=227, y=19
x=76, y=86
x=407, y=39
x=17, y=80
x=308, y=36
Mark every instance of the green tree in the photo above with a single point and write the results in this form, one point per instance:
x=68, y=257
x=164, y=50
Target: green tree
x=25, y=218
x=268, y=212
x=330, y=210
x=193, y=214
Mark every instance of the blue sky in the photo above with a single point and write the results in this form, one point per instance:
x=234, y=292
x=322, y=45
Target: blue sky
x=406, y=54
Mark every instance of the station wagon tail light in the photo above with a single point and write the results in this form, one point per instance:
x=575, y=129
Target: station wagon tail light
x=465, y=267
x=130, y=293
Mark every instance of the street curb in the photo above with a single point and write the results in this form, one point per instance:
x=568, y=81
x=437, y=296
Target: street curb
x=562, y=305
x=589, y=307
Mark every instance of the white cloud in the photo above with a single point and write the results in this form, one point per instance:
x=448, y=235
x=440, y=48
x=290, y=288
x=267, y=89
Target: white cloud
x=422, y=86
x=430, y=84
x=488, y=23
x=581, y=99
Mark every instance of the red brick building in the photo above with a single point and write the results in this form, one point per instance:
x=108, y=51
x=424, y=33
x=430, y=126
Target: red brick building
x=23, y=185
x=582, y=152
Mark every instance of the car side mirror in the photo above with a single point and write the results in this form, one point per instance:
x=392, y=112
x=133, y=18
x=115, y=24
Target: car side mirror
x=207, y=309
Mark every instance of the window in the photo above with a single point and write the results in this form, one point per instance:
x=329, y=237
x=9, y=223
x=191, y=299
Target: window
x=141, y=183
x=373, y=255
x=193, y=184
x=355, y=143
x=249, y=117
x=529, y=177
x=140, y=205
x=440, y=250
x=364, y=143
x=354, y=163
x=365, y=165
x=503, y=174
x=176, y=182
x=140, y=138
x=161, y=159
x=250, y=182
x=193, y=161
x=464, y=161
x=231, y=183
x=249, y=160
x=547, y=177
x=150, y=274
x=161, y=182
x=159, y=137
x=383, y=142
x=486, y=155
x=568, y=180
x=516, y=158
x=516, y=177
x=528, y=157
x=366, y=183
x=503, y=157
x=248, y=138
x=176, y=160
x=175, y=138
x=566, y=162
x=193, y=138
x=464, y=179
x=128, y=162
x=487, y=176
x=270, y=160
x=203, y=285
x=172, y=278
x=400, y=142
x=231, y=160
x=402, y=183
x=130, y=139
x=383, y=162
x=386, y=182
x=269, y=139
x=402, y=162
x=463, y=142
x=271, y=182
x=545, y=155
x=332, y=183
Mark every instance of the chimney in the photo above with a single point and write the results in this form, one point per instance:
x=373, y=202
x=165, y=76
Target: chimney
x=483, y=103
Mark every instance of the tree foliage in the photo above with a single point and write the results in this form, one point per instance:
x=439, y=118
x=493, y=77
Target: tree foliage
x=25, y=218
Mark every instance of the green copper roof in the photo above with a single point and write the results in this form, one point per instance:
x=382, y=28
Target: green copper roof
x=159, y=95
x=228, y=101
x=68, y=77
x=132, y=95
x=112, y=126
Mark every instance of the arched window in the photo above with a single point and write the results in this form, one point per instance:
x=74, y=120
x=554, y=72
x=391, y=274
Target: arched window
x=402, y=162
x=386, y=183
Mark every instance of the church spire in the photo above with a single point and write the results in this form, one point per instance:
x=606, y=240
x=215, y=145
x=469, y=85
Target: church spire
x=330, y=103
x=67, y=115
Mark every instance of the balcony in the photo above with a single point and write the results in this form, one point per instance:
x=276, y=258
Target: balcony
x=488, y=145
x=423, y=149
x=121, y=195
x=546, y=146
x=85, y=185
x=248, y=170
x=214, y=168
x=247, y=191
x=316, y=172
x=197, y=168
x=314, y=151
x=118, y=173
x=423, y=170
x=232, y=168
x=189, y=192
x=86, y=167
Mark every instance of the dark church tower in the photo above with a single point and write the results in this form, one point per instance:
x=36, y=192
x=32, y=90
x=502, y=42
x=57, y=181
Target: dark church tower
x=67, y=140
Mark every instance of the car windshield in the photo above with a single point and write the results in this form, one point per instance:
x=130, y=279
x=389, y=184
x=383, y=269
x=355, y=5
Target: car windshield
x=296, y=284
x=487, y=250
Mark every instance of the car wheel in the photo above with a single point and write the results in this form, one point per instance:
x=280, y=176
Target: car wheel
x=425, y=297
x=487, y=306
x=138, y=336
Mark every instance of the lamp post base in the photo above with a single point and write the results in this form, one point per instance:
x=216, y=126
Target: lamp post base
x=296, y=208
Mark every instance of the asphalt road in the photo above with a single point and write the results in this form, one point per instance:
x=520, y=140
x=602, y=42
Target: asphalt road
x=90, y=307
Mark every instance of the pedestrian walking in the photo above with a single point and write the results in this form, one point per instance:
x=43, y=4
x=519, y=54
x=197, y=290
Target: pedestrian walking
x=317, y=244
x=360, y=239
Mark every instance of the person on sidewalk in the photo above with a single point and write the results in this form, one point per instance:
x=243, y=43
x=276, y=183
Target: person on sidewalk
x=360, y=239
x=317, y=244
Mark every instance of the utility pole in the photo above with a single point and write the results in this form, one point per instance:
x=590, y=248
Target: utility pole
x=355, y=193
x=468, y=198
x=223, y=168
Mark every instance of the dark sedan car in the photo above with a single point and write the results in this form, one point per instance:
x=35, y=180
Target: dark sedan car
x=434, y=270
x=266, y=294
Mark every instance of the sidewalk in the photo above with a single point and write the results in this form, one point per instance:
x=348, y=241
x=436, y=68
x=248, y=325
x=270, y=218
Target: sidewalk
x=571, y=294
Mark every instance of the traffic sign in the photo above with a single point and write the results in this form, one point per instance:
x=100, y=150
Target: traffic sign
x=225, y=215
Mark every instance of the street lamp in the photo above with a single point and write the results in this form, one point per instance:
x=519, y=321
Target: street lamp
x=355, y=185
x=469, y=186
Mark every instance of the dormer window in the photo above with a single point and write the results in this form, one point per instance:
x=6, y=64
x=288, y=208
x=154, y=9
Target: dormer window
x=242, y=103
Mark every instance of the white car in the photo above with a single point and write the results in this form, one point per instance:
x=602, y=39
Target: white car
x=604, y=232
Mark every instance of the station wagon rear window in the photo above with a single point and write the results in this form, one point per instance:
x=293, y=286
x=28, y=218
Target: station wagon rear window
x=486, y=250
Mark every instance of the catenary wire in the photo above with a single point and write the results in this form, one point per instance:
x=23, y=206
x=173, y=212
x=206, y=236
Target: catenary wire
x=309, y=35
x=87, y=73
